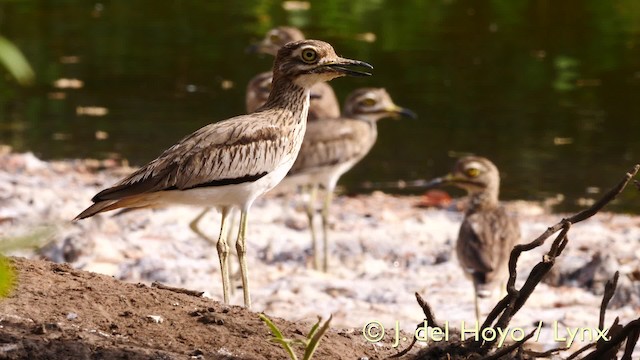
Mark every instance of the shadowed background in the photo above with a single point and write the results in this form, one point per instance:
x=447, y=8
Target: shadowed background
x=548, y=90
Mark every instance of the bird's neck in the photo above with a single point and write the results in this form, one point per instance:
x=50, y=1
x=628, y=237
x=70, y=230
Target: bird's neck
x=290, y=99
x=482, y=200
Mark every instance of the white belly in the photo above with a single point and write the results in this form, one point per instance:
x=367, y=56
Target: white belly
x=238, y=195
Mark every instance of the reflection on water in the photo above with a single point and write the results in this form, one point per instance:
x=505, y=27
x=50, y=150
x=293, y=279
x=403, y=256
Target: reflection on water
x=548, y=90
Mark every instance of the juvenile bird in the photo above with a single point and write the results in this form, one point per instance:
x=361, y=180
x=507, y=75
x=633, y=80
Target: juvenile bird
x=488, y=233
x=230, y=163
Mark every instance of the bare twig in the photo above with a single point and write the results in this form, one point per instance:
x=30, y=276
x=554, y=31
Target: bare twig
x=515, y=299
x=507, y=349
x=581, y=350
x=632, y=340
x=626, y=332
x=195, y=293
x=430, y=319
x=609, y=290
x=544, y=354
x=428, y=313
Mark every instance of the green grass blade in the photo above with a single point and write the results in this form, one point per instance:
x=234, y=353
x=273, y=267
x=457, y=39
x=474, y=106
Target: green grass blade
x=7, y=277
x=279, y=338
x=314, y=328
x=315, y=340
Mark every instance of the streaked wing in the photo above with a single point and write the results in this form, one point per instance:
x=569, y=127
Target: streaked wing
x=473, y=248
x=223, y=153
x=332, y=141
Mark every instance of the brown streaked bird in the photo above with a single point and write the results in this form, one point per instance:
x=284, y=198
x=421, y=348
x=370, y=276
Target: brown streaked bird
x=331, y=147
x=230, y=163
x=488, y=233
x=324, y=103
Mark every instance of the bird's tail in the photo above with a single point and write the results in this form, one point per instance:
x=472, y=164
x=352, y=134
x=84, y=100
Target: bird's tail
x=107, y=205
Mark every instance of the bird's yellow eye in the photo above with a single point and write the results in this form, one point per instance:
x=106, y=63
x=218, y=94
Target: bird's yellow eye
x=274, y=38
x=473, y=172
x=309, y=55
x=368, y=102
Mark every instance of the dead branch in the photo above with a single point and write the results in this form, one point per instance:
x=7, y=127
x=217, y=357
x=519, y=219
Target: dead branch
x=628, y=332
x=195, y=293
x=428, y=313
x=429, y=318
x=515, y=299
x=609, y=290
x=544, y=354
x=632, y=340
x=507, y=349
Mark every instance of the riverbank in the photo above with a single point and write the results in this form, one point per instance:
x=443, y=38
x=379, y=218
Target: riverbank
x=384, y=248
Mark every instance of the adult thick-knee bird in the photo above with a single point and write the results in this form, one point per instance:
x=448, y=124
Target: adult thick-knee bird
x=230, y=163
x=331, y=147
x=488, y=233
x=324, y=103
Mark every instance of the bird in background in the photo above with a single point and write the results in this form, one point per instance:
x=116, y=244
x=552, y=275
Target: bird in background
x=230, y=163
x=331, y=147
x=488, y=232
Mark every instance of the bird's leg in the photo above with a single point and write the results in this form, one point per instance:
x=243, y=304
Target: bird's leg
x=241, y=248
x=325, y=228
x=194, y=226
x=232, y=275
x=475, y=299
x=223, y=254
x=311, y=210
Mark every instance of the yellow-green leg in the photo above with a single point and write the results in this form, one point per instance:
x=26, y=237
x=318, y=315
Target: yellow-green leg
x=241, y=248
x=194, y=225
x=325, y=229
x=223, y=254
x=311, y=210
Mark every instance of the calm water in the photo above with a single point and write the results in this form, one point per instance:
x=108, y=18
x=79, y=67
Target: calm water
x=549, y=90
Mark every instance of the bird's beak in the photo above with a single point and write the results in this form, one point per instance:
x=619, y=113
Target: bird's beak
x=435, y=182
x=402, y=111
x=345, y=66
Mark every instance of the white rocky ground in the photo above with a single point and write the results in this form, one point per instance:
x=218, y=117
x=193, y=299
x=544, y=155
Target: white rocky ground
x=383, y=250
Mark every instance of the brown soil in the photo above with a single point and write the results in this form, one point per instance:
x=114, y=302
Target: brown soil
x=57, y=312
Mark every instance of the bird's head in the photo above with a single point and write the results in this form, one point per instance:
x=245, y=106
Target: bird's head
x=472, y=173
x=275, y=39
x=308, y=62
x=373, y=104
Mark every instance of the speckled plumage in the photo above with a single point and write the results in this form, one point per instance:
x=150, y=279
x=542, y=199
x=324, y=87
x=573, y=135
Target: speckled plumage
x=324, y=103
x=230, y=163
x=488, y=233
x=331, y=147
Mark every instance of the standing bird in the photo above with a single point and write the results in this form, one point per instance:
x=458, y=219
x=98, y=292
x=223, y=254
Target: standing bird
x=230, y=163
x=488, y=233
x=324, y=103
x=331, y=147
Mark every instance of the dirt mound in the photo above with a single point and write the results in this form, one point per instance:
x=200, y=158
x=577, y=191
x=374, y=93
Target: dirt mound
x=57, y=312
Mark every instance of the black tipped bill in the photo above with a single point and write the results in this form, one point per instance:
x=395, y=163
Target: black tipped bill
x=407, y=113
x=435, y=182
x=345, y=66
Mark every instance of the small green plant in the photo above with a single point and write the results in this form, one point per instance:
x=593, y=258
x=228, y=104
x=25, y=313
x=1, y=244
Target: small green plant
x=7, y=272
x=310, y=343
x=7, y=277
